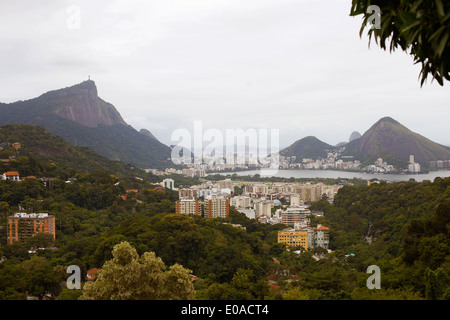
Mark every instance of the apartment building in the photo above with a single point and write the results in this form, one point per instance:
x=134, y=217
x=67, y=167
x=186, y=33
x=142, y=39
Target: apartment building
x=188, y=206
x=212, y=208
x=21, y=226
x=241, y=202
x=225, y=184
x=295, y=200
x=169, y=184
x=263, y=208
x=217, y=208
x=321, y=236
x=292, y=215
x=294, y=237
x=186, y=193
x=307, y=237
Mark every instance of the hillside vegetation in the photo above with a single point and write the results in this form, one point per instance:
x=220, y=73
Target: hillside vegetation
x=45, y=154
x=401, y=227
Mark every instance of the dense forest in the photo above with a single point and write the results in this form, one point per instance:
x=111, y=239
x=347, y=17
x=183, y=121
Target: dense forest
x=401, y=227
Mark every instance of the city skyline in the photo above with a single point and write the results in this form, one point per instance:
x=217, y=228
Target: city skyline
x=296, y=66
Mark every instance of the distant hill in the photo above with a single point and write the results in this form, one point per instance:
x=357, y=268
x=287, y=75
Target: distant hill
x=308, y=147
x=355, y=135
x=77, y=114
x=43, y=147
x=390, y=140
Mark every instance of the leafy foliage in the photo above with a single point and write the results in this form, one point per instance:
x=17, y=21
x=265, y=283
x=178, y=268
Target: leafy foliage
x=45, y=154
x=401, y=227
x=421, y=28
x=128, y=276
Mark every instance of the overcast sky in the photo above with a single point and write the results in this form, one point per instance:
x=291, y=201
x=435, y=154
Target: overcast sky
x=293, y=65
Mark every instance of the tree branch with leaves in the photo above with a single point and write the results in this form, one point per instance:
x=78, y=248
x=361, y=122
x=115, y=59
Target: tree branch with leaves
x=418, y=27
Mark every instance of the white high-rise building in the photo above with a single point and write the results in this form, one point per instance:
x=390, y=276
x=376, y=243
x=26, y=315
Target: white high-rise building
x=263, y=208
x=169, y=184
x=413, y=166
x=295, y=200
x=241, y=202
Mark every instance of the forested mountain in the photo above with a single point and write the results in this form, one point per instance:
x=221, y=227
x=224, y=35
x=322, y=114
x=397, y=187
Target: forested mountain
x=80, y=116
x=387, y=139
x=401, y=227
x=390, y=140
x=42, y=153
x=308, y=147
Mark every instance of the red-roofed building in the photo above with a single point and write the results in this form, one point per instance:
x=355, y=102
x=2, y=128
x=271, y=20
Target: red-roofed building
x=322, y=229
x=274, y=286
x=92, y=274
x=322, y=236
x=11, y=175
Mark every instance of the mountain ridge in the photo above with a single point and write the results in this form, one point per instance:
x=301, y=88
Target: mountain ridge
x=77, y=114
x=389, y=139
x=81, y=103
x=307, y=147
x=46, y=150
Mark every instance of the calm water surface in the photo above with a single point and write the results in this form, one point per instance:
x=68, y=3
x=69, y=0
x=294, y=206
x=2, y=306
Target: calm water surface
x=341, y=174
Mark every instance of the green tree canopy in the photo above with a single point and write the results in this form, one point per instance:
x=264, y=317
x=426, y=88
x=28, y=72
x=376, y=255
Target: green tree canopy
x=419, y=27
x=128, y=276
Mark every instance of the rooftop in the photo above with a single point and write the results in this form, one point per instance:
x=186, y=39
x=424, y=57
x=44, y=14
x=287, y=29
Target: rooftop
x=11, y=173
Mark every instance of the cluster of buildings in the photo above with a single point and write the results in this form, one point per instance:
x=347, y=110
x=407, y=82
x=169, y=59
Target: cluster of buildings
x=300, y=232
x=413, y=167
x=197, y=171
x=334, y=160
x=211, y=208
x=209, y=200
x=263, y=202
x=380, y=166
x=306, y=237
x=440, y=164
x=307, y=192
x=256, y=200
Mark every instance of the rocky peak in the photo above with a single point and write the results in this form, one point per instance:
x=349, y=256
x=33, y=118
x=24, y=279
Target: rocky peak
x=81, y=103
x=354, y=135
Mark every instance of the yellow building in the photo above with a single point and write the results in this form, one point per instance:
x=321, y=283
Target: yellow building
x=293, y=237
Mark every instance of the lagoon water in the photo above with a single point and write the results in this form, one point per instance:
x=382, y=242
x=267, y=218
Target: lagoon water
x=340, y=174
